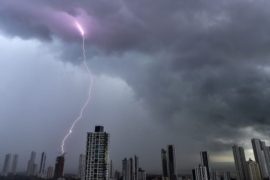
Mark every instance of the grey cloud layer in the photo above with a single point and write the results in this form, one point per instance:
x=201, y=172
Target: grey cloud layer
x=198, y=65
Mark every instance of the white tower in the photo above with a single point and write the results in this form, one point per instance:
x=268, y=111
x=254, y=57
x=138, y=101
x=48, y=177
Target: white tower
x=97, y=155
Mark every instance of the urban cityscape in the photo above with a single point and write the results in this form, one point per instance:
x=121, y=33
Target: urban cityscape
x=95, y=164
x=134, y=89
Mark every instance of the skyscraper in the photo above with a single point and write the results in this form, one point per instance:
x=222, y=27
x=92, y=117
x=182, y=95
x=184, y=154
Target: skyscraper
x=31, y=164
x=259, y=155
x=41, y=171
x=253, y=170
x=136, y=167
x=125, y=169
x=97, y=155
x=6, y=166
x=205, y=162
x=131, y=169
x=240, y=162
x=14, y=164
x=193, y=174
x=266, y=152
x=164, y=162
x=171, y=162
x=201, y=173
x=81, y=169
x=59, y=167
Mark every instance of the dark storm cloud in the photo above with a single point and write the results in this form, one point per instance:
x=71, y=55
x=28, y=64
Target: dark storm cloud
x=201, y=67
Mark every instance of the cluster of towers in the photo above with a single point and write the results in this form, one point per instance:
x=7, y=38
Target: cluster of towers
x=95, y=163
x=253, y=170
x=32, y=168
x=9, y=168
x=168, y=163
x=202, y=172
x=131, y=170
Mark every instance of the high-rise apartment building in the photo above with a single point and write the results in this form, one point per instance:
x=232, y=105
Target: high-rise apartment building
x=131, y=169
x=6, y=166
x=42, y=165
x=59, y=167
x=193, y=174
x=125, y=169
x=164, y=162
x=266, y=152
x=171, y=162
x=31, y=164
x=14, y=164
x=240, y=162
x=136, y=167
x=253, y=170
x=260, y=157
x=205, y=162
x=97, y=155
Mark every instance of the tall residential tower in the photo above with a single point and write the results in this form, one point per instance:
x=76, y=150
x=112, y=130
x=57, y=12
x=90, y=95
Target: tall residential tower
x=6, y=166
x=97, y=155
x=240, y=162
x=171, y=162
x=205, y=162
x=261, y=154
x=41, y=171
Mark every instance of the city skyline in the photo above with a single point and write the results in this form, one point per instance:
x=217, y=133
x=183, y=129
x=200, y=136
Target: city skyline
x=97, y=164
x=167, y=161
x=195, y=75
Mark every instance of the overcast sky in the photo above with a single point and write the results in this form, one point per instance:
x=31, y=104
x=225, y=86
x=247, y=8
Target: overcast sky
x=193, y=73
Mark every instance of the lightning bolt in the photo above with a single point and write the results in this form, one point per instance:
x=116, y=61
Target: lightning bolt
x=79, y=117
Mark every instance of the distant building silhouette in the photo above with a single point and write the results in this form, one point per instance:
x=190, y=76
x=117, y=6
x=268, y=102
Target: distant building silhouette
x=201, y=173
x=262, y=155
x=97, y=155
x=31, y=164
x=240, y=162
x=125, y=172
x=6, y=166
x=131, y=169
x=205, y=162
x=253, y=170
x=59, y=167
x=14, y=164
x=50, y=172
x=42, y=165
x=136, y=167
x=141, y=174
x=81, y=169
x=164, y=162
x=171, y=162
x=193, y=174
